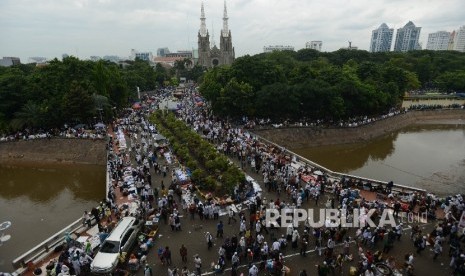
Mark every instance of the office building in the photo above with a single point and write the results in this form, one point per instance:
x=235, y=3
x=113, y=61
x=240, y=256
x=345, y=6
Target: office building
x=407, y=38
x=161, y=52
x=459, y=40
x=381, y=39
x=315, y=45
x=9, y=61
x=438, y=41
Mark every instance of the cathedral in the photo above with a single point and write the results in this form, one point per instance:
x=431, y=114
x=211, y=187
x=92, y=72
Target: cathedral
x=212, y=56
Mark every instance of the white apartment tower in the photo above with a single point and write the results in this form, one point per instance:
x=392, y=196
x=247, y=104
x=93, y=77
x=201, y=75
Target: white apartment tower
x=459, y=40
x=438, y=41
x=407, y=38
x=381, y=39
x=315, y=45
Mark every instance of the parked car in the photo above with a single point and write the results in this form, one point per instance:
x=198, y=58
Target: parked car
x=121, y=239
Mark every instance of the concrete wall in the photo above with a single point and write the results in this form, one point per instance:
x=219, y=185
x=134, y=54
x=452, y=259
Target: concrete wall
x=53, y=151
x=301, y=137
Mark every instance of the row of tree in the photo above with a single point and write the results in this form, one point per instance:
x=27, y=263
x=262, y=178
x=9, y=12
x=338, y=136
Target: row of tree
x=336, y=85
x=72, y=91
x=211, y=171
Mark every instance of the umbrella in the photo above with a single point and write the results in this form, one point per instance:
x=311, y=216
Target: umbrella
x=159, y=137
x=79, y=126
x=317, y=173
x=99, y=125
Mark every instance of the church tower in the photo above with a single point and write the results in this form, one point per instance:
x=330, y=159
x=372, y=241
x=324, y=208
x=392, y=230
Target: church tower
x=211, y=57
x=226, y=48
x=203, y=40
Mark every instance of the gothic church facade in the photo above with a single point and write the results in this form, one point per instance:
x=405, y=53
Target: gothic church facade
x=211, y=56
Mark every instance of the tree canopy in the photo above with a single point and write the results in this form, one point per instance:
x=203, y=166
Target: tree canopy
x=335, y=85
x=71, y=91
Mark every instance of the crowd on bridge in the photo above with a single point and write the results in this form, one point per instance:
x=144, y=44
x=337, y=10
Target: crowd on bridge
x=288, y=184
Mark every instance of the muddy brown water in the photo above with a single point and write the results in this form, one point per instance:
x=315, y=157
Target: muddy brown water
x=429, y=156
x=42, y=201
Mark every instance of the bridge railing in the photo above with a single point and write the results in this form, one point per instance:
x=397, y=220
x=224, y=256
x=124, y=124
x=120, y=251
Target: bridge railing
x=37, y=253
x=398, y=187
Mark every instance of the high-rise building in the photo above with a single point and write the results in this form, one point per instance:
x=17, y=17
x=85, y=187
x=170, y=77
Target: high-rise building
x=314, y=44
x=451, y=41
x=381, y=39
x=407, y=38
x=459, y=40
x=9, y=61
x=438, y=41
x=161, y=52
x=212, y=56
x=147, y=56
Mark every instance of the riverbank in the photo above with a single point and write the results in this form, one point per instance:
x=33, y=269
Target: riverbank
x=54, y=151
x=306, y=137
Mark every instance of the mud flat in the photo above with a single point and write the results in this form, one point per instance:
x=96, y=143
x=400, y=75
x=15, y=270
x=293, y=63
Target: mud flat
x=305, y=137
x=53, y=151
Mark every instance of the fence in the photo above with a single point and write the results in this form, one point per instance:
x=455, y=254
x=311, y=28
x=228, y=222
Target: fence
x=40, y=251
x=339, y=175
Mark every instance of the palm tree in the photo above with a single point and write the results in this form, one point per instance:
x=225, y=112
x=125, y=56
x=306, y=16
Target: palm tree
x=30, y=116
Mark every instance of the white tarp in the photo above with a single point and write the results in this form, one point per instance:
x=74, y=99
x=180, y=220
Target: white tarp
x=167, y=157
x=121, y=139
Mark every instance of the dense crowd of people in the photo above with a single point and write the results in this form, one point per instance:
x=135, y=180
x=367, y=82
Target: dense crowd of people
x=288, y=184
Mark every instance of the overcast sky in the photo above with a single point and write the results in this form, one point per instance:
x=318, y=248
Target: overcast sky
x=84, y=28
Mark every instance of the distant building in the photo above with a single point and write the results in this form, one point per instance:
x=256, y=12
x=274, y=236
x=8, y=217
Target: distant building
x=167, y=61
x=381, y=39
x=114, y=59
x=451, y=45
x=438, y=41
x=182, y=54
x=351, y=47
x=147, y=56
x=269, y=49
x=161, y=52
x=9, y=61
x=459, y=40
x=38, y=60
x=315, y=45
x=212, y=56
x=407, y=38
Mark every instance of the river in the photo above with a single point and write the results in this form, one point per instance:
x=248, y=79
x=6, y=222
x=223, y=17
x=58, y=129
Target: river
x=42, y=201
x=429, y=156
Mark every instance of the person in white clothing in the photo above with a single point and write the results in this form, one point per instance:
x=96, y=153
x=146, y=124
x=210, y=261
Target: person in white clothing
x=253, y=271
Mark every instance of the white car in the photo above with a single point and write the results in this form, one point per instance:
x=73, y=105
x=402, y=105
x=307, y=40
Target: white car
x=121, y=239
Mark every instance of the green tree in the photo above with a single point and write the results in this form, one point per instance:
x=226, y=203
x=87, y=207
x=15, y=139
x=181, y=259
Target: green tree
x=29, y=116
x=78, y=104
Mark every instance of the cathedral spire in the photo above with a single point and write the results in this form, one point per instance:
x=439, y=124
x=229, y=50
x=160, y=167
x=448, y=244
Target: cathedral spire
x=225, y=31
x=203, y=27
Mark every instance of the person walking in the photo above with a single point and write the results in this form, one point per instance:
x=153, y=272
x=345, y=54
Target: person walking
x=198, y=264
x=183, y=253
x=219, y=229
x=231, y=215
x=303, y=246
x=209, y=239
x=167, y=255
x=147, y=270
x=437, y=249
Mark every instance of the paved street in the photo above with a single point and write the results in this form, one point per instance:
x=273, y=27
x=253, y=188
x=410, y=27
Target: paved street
x=193, y=237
